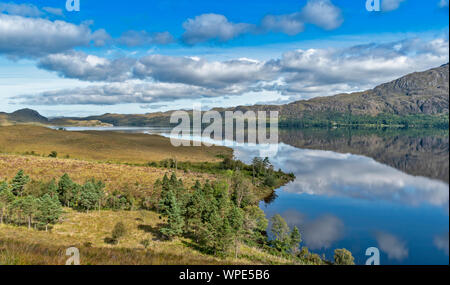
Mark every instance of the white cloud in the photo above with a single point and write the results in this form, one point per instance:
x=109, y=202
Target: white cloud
x=196, y=71
x=300, y=74
x=322, y=13
x=87, y=67
x=26, y=10
x=289, y=24
x=118, y=93
x=34, y=37
x=392, y=246
x=390, y=5
x=54, y=11
x=212, y=27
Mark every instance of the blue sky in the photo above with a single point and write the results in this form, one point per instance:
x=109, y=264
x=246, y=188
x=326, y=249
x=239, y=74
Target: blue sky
x=145, y=56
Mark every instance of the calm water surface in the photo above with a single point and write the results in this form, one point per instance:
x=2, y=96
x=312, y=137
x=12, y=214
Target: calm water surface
x=359, y=189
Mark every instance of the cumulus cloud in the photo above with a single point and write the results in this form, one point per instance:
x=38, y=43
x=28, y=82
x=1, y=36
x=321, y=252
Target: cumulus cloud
x=392, y=246
x=87, y=67
x=196, y=71
x=212, y=27
x=322, y=13
x=390, y=5
x=299, y=74
x=441, y=242
x=117, y=93
x=34, y=37
x=142, y=38
x=26, y=10
x=290, y=24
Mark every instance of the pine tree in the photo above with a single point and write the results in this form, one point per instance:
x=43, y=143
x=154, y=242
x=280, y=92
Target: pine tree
x=280, y=230
x=255, y=225
x=295, y=239
x=48, y=210
x=6, y=198
x=52, y=188
x=18, y=183
x=66, y=189
x=236, y=220
x=90, y=196
x=195, y=209
x=29, y=206
x=175, y=222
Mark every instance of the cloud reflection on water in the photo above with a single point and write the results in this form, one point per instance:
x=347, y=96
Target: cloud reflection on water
x=346, y=175
x=318, y=233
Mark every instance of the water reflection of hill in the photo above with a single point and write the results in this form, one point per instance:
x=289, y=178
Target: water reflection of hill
x=423, y=153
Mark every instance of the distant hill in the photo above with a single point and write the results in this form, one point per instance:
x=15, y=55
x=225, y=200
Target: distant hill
x=416, y=93
x=22, y=116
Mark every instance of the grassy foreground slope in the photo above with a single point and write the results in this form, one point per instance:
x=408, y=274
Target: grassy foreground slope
x=86, y=231
x=101, y=146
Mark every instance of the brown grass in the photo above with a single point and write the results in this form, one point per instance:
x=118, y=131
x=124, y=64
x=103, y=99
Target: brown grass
x=19, y=245
x=101, y=145
x=133, y=179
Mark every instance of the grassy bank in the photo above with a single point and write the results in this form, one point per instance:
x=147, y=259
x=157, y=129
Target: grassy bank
x=101, y=146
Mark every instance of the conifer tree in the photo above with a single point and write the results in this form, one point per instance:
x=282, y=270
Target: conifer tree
x=236, y=220
x=175, y=222
x=29, y=207
x=18, y=183
x=66, y=189
x=6, y=198
x=295, y=239
x=280, y=230
x=48, y=210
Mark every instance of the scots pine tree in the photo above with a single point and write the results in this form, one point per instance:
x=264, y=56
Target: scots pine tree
x=175, y=221
x=18, y=183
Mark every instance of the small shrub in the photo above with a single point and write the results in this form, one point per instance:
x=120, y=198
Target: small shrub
x=119, y=231
x=343, y=257
x=53, y=154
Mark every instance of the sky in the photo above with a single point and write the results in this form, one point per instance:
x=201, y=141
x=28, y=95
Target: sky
x=147, y=56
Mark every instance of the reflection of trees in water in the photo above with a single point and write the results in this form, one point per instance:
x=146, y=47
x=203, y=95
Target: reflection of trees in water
x=416, y=152
x=271, y=198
